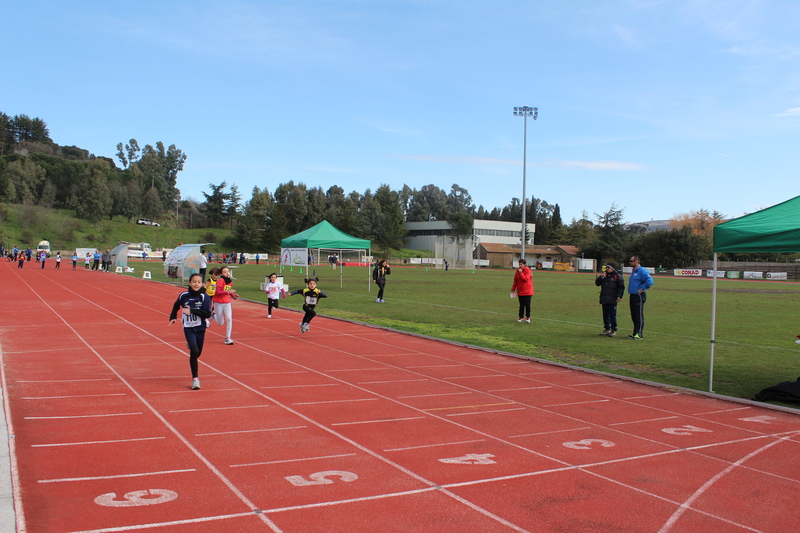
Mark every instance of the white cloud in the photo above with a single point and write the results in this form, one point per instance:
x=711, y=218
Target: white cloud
x=791, y=112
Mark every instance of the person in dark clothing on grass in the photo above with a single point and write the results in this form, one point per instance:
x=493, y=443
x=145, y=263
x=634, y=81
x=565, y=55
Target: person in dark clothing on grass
x=612, y=287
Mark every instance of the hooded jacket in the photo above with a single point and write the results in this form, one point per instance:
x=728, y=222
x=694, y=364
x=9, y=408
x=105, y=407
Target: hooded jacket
x=612, y=286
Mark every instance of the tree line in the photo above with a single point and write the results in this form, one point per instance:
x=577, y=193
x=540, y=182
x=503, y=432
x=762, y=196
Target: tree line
x=36, y=170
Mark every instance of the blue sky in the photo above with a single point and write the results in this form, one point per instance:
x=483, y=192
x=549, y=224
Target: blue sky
x=663, y=107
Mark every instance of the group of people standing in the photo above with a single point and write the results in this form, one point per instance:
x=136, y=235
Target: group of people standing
x=612, y=288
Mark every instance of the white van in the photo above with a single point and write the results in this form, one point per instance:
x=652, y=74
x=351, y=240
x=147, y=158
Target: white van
x=44, y=246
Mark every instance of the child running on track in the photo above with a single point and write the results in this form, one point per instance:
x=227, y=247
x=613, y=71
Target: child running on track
x=196, y=308
x=273, y=293
x=223, y=294
x=310, y=297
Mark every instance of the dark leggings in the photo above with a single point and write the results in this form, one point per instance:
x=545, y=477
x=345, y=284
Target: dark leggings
x=525, y=305
x=637, y=313
x=380, y=289
x=194, y=338
x=310, y=313
x=271, y=304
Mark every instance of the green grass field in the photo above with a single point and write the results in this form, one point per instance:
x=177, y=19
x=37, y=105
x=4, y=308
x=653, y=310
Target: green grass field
x=756, y=321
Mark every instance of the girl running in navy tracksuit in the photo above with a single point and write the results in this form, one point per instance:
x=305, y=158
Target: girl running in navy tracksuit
x=196, y=309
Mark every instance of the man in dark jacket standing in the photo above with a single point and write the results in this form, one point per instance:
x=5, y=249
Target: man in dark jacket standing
x=612, y=287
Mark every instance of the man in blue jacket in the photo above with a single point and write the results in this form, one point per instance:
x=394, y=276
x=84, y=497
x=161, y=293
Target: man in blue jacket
x=638, y=283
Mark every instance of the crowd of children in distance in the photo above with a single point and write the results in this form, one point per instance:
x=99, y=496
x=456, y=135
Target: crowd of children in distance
x=211, y=299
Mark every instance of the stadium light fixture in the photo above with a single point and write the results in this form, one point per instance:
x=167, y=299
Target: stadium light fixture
x=525, y=112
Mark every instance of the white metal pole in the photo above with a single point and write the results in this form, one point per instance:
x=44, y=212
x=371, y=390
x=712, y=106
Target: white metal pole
x=713, y=325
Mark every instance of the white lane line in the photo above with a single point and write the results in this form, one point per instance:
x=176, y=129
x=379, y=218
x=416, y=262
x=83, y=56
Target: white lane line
x=218, y=408
x=651, y=396
x=487, y=412
x=154, y=525
x=190, y=391
x=300, y=459
x=73, y=396
x=707, y=485
x=119, y=476
x=338, y=401
x=358, y=369
x=434, y=366
x=272, y=373
x=94, y=442
x=643, y=421
x=247, y=431
x=376, y=421
x=432, y=395
x=60, y=380
x=722, y=411
x=392, y=381
x=433, y=445
x=612, y=382
x=299, y=386
x=484, y=376
x=548, y=432
x=77, y=416
x=522, y=388
x=575, y=403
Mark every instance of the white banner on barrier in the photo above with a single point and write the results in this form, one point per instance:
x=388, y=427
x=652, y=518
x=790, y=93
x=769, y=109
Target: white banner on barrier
x=688, y=272
x=753, y=275
x=294, y=257
x=777, y=275
x=710, y=273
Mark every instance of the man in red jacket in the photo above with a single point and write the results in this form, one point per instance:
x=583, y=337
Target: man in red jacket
x=523, y=287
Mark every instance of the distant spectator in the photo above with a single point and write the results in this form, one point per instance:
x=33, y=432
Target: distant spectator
x=523, y=288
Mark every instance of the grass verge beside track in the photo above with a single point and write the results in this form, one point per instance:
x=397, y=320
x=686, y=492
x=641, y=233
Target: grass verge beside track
x=756, y=320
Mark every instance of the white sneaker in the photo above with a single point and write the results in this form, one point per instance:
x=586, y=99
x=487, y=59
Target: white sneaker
x=195, y=383
x=520, y=320
x=377, y=300
x=228, y=341
x=302, y=327
x=306, y=327
x=269, y=316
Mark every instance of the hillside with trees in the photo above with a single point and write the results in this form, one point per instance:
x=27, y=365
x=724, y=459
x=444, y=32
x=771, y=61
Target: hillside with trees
x=142, y=182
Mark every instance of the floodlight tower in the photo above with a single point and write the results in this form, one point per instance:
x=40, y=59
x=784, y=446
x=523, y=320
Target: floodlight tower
x=525, y=112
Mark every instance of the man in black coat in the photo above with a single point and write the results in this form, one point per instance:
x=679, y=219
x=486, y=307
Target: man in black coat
x=612, y=287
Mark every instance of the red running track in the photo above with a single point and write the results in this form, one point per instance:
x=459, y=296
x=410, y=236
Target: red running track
x=350, y=428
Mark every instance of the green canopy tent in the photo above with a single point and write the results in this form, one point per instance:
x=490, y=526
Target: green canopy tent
x=325, y=236
x=775, y=229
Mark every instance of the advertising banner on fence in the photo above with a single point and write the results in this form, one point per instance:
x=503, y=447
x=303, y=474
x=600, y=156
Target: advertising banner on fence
x=294, y=257
x=753, y=275
x=732, y=274
x=688, y=272
x=777, y=275
x=710, y=273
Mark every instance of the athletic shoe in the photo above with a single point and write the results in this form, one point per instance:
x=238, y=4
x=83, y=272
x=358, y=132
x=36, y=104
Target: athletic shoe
x=606, y=332
x=612, y=333
x=306, y=327
x=520, y=319
x=528, y=320
x=228, y=341
x=302, y=329
x=377, y=300
x=383, y=301
x=195, y=383
x=269, y=316
x=636, y=337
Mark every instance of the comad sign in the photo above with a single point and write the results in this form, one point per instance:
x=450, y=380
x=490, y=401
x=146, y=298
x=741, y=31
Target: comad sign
x=688, y=272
